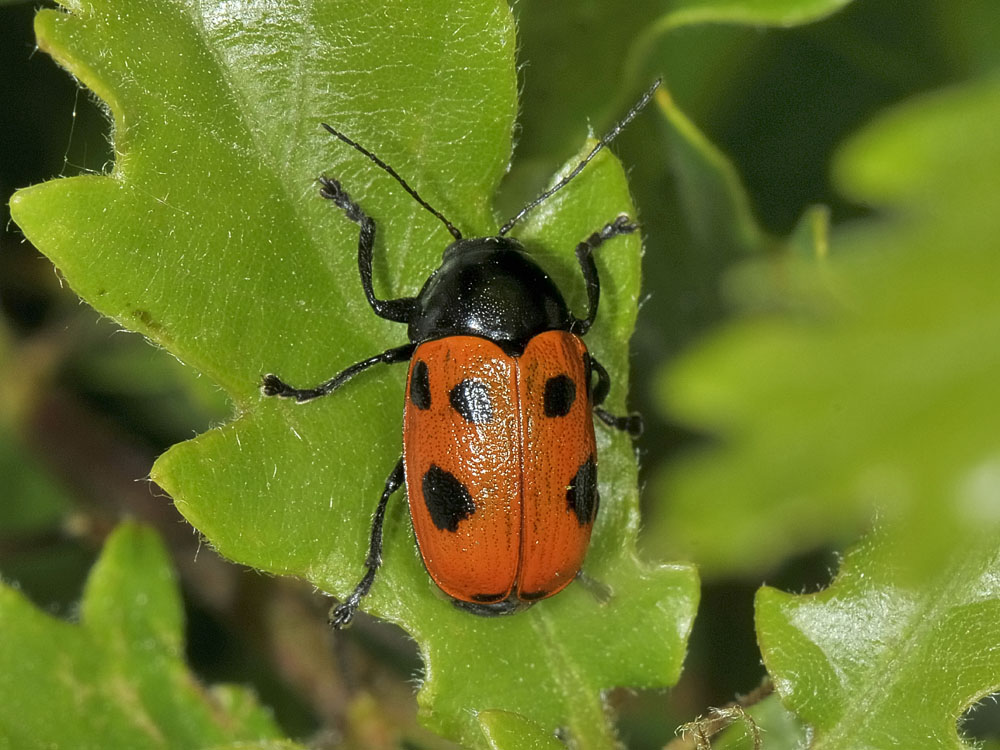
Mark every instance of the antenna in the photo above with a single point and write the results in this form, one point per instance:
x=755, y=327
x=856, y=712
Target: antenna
x=610, y=136
x=392, y=172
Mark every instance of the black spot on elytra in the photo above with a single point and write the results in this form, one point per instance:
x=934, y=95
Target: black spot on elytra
x=471, y=399
x=581, y=497
x=560, y=393
x=446, y=498
x=420, y=386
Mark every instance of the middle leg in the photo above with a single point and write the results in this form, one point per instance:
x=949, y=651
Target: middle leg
x=631, y=423
x=272, y=385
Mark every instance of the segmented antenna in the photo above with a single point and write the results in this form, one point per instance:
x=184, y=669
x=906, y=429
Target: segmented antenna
x=610, y=136
x=392, y=173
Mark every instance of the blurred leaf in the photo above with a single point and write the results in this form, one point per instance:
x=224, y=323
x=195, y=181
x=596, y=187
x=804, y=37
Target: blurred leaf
x=572, y=86
x=716, y=206
x=576, y=51
x=908, y=636
x=30, y=498
x=149, y=392
x=875, y=661
x=811, y=237
x=715, y=203
x=685, y=13
x=880, y=390
x=117, y=679
x=210, y=239
x=719, y=223
x=750, y=12
x=969, y=30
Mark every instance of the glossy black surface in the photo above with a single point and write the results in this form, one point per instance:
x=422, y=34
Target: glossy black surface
x=488, y=287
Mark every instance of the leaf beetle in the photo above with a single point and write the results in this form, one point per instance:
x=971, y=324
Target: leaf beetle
x=499, y=456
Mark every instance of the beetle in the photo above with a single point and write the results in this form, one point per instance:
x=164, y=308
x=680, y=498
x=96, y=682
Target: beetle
x=499, y=455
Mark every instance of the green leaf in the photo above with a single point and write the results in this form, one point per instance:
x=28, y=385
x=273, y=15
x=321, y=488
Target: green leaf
x=118, y=678
x=750, y=12
x=878, y=388
x=715, y=202
x=879, y=660
x=686, y=13
x=209, y=237
x=504, y=729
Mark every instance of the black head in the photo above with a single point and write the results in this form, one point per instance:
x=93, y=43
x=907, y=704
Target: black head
x=488, y=287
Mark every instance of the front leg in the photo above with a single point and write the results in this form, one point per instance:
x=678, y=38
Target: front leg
x=585, y=256
x=399, y=310
x=272, y=385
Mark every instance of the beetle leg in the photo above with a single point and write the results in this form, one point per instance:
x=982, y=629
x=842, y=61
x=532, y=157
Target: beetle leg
x=343, y=613
x=585, y=256
x=272, y=385
x=598, y=589
x=632, y=423
x=399, y=310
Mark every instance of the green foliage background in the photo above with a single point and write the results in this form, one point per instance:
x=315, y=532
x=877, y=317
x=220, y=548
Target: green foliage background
x=816, y=360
